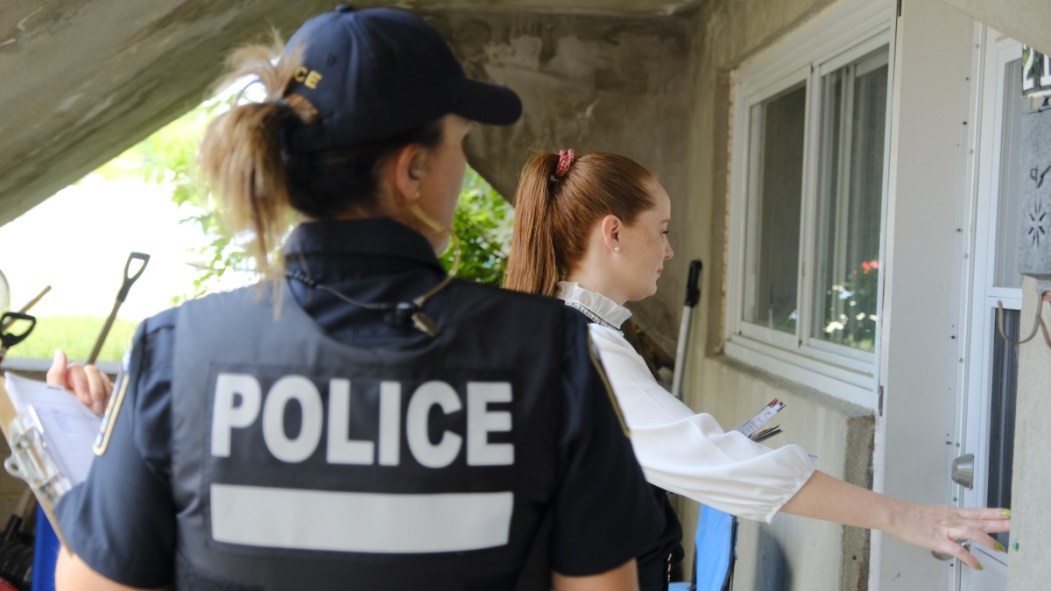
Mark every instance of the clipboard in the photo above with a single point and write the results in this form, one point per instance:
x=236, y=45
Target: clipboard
x=41, y=456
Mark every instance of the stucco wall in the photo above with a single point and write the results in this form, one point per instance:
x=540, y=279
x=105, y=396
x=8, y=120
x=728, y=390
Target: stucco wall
x=1029, y=542
x=791, y=552
x=591, y=83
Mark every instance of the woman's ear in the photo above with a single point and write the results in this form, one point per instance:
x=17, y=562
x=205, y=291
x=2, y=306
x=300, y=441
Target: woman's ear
x=610, y=227
x=403, y=172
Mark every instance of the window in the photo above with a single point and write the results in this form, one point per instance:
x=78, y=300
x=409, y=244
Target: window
x=776, y=181
x=807, y=206
x=849, y=202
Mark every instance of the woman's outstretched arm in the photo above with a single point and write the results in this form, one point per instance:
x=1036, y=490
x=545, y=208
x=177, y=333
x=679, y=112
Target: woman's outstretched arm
x=936, y=527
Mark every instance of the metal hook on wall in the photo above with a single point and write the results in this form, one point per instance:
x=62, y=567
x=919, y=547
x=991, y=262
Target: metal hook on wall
x=1038, y=322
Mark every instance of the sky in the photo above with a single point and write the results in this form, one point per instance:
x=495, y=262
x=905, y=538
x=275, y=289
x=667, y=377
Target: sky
x=78, y=241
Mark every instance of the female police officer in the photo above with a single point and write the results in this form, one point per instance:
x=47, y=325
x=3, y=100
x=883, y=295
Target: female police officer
x=362, y=421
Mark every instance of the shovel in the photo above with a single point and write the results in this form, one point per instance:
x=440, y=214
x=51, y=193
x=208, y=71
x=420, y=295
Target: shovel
x=10, y=339
x=129, y=279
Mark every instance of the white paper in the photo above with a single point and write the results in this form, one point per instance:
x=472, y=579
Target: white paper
x=68, y=428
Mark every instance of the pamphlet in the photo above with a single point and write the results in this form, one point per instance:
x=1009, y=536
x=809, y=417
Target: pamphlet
x=752, y=428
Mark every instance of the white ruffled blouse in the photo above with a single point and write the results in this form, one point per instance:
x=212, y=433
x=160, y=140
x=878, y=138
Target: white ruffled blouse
x=679, y=450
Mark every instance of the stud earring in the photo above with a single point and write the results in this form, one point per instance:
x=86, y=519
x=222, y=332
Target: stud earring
x=616, y=249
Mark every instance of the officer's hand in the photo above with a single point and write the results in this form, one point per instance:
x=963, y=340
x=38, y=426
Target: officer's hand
x=91, y=386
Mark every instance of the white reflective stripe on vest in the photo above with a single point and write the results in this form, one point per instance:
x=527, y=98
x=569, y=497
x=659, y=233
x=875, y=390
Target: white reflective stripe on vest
x=359, y=522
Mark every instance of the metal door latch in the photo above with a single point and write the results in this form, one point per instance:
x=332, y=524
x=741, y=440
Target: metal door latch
x=943, y=556
x=963, y=470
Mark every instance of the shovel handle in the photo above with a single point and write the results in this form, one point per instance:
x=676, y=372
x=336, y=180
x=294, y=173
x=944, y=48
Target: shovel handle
x=129, y=276
x=693, y=293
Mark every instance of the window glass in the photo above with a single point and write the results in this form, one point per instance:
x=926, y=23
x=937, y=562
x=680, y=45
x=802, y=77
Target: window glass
x=849, y=202
x=1004, y=388
x=775, y=192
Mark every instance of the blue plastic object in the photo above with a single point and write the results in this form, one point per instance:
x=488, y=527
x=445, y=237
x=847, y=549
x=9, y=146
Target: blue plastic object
x=715, y=545
x=45, y=553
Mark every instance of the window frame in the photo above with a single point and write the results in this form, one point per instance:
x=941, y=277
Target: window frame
x=840, y=35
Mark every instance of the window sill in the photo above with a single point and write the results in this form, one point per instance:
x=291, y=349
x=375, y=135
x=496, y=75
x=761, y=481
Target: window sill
x=855, y=387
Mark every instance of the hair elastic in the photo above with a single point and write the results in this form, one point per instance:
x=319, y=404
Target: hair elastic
x=565, y=160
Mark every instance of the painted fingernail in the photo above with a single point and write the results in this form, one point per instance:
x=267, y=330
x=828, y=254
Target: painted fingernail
x=980, y=567
x=1005, y=512
x=1000, y=547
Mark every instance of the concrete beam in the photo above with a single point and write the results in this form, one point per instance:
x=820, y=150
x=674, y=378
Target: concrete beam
x=1028, y=21
x=85, y=80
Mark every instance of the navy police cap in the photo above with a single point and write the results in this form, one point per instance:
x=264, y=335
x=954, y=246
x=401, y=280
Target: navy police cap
x=376, y=73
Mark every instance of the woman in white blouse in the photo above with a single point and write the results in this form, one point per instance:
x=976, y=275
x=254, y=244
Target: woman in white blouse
x=593, y=231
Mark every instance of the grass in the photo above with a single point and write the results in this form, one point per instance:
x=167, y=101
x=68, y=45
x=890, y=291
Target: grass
x=76, y=336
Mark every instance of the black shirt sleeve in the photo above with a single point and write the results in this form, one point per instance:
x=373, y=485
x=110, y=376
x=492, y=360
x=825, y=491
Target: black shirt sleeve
x=605, y=512
x=121, y=520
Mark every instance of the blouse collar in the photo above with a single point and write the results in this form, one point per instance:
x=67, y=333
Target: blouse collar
x=594, y=305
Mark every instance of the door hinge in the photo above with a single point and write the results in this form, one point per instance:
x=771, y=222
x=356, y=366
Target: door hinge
x=899, y=8
x=879, y=403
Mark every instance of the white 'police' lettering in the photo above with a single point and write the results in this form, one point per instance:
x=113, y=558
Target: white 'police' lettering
x=479, y=451
x=229, y=413
x=280, y=444
x=341, y=449
x=445, y=451
x=390, y=423
x=238, y=401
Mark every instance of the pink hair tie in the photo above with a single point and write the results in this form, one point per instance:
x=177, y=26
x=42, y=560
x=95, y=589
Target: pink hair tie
x=565, y=160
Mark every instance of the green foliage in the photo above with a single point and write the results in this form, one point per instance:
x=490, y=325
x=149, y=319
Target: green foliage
x=483, y=225
x=850, y=308
x=483, y=218
x=169, y=157
x=76, y=336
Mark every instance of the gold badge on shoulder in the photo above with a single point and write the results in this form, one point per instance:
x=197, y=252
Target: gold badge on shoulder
x=116, y=400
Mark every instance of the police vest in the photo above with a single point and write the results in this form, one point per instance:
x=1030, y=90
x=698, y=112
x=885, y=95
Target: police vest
x=299, y=462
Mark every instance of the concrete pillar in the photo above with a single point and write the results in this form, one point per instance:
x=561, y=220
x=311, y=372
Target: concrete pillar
x=1031, y=486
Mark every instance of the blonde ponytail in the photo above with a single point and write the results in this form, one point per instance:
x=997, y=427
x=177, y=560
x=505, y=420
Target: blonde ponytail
x=240, y=155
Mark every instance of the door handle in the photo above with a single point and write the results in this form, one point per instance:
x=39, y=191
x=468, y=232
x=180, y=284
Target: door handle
x=943, y=556
x=963, y=470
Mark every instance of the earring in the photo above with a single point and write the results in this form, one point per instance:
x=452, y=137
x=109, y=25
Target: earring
x=616, y=249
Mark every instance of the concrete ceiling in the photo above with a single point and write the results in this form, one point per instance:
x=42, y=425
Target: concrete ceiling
x=86, y=79
x=1029, y=21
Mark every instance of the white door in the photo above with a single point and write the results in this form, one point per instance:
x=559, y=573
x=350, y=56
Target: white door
x=991, y=363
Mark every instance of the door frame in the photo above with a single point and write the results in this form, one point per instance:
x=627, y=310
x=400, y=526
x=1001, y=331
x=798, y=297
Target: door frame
x=994, y=51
